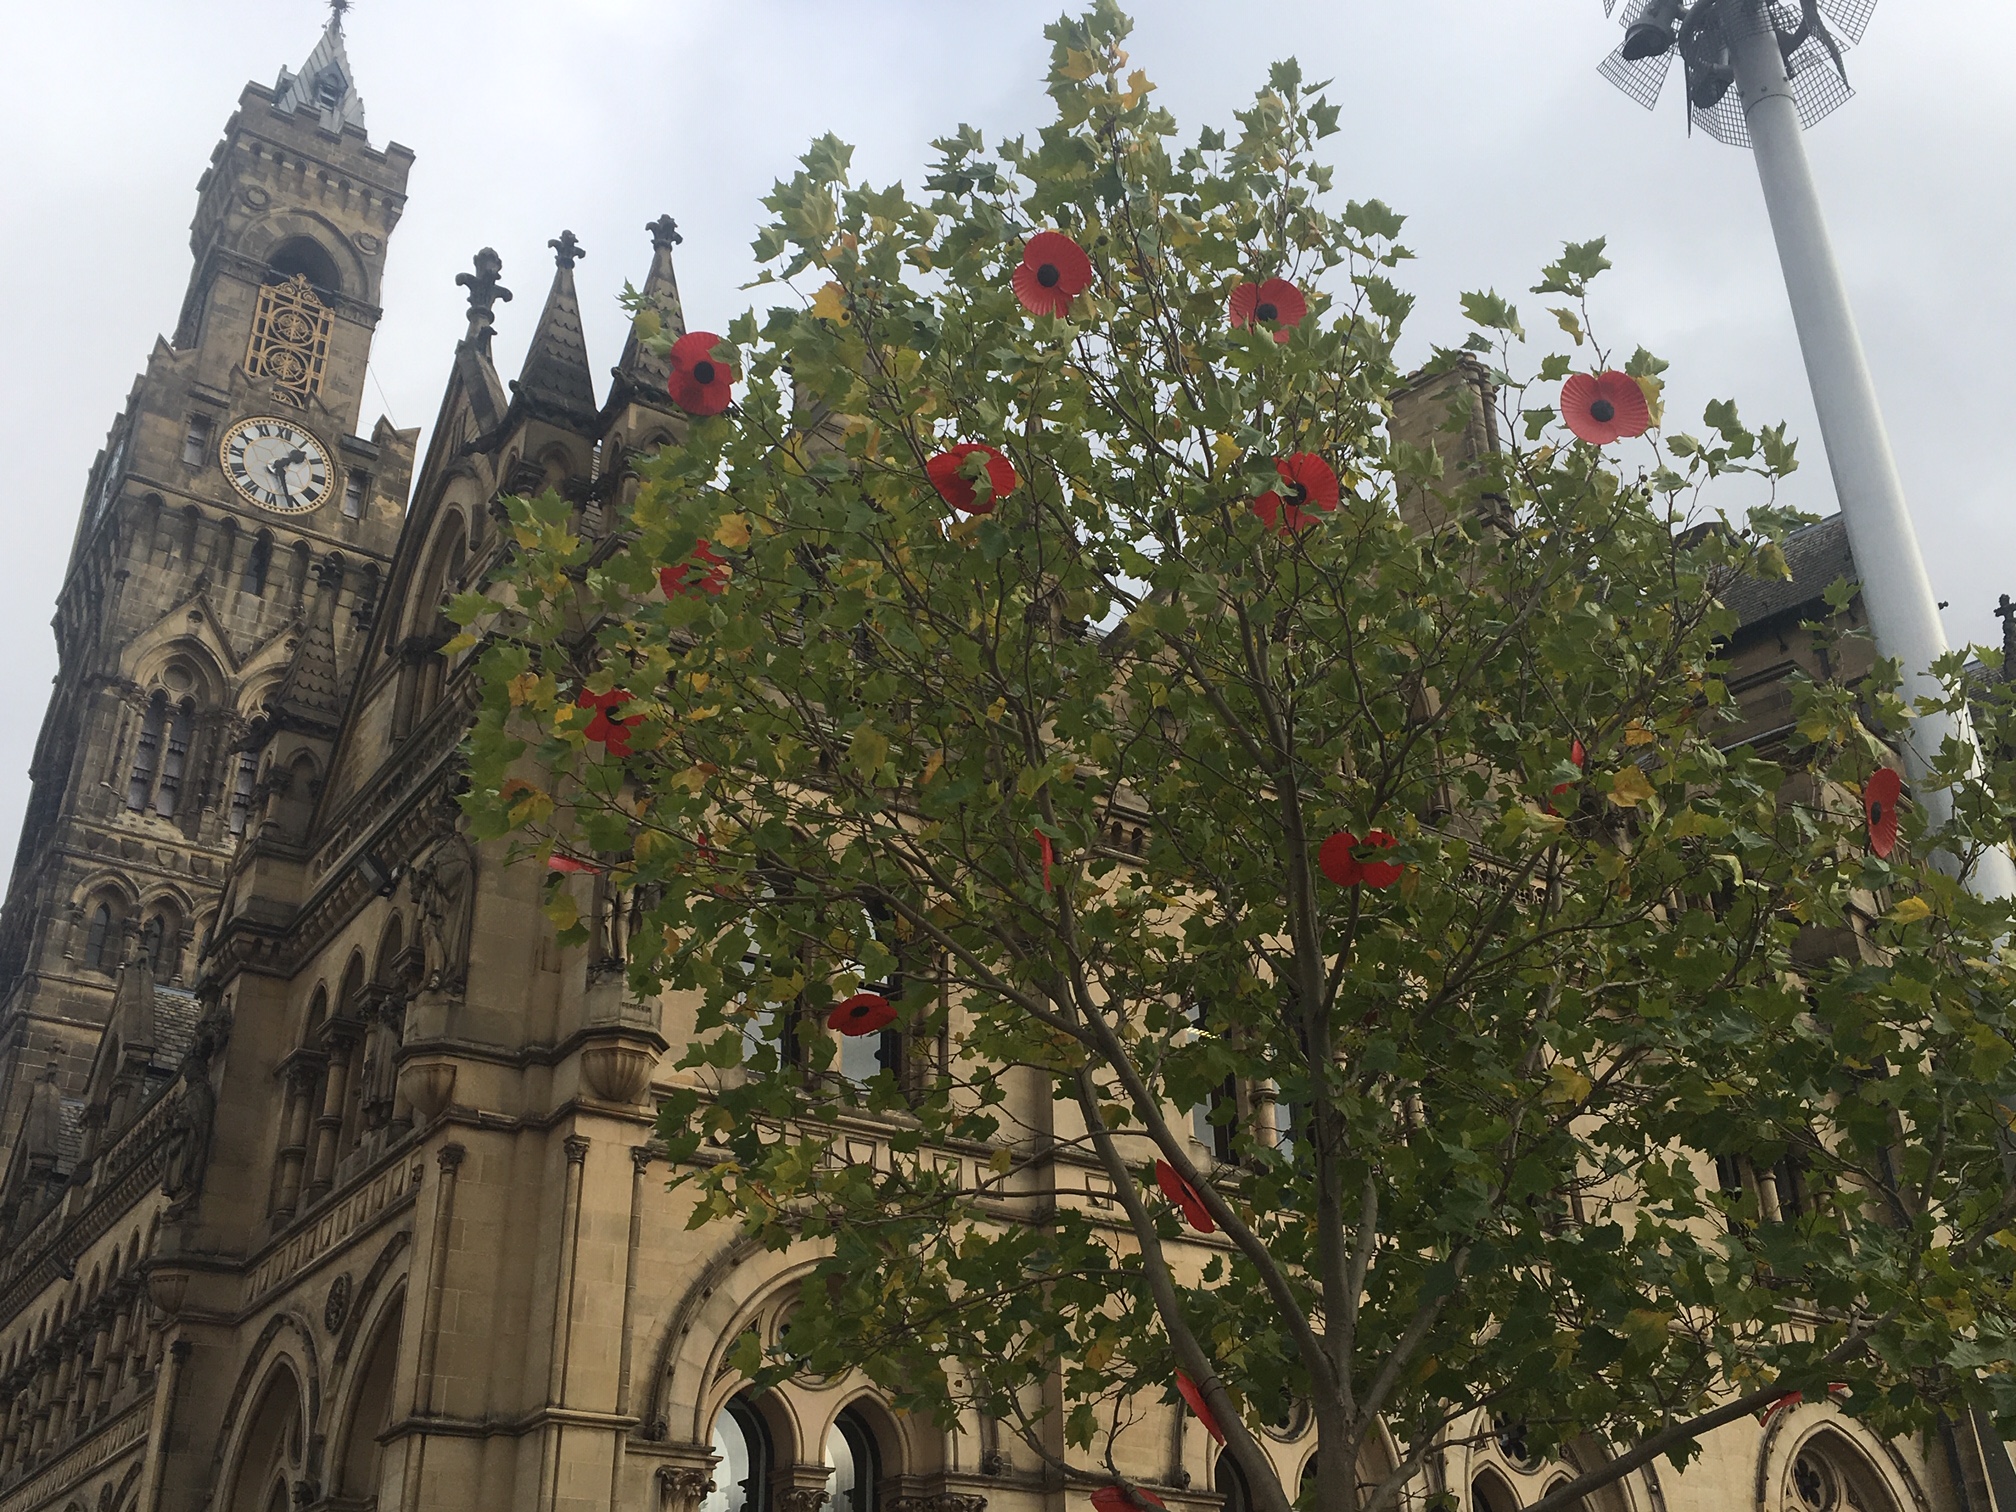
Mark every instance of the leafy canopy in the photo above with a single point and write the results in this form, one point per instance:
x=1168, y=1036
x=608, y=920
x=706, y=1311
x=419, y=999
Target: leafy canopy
x=1496, y=1142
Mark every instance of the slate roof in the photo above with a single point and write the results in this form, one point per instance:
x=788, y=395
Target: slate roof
x=176, y=1011
x=1817, y=554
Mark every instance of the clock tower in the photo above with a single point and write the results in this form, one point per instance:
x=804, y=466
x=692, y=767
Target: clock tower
x=228, y=559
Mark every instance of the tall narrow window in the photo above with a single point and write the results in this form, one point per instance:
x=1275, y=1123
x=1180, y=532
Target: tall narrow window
x=356, y=489
x=152, y=941
x=850, y=1450
x=196, y=440
x=256, y=563
x=98, y=939
x=241, y=791
x=742, y=1461
x=147, y=753
x=169, y=791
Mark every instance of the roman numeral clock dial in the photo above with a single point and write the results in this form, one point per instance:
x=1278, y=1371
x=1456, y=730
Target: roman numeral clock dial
x=276, y=465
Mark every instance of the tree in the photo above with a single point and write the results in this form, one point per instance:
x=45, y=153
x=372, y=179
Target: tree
x=858, y=717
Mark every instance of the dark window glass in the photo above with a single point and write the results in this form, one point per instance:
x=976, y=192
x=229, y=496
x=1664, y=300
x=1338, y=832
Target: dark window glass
x=98, y=940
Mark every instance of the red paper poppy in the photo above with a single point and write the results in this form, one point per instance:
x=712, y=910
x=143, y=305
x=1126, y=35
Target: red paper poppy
x=947, y=474
x=559, y=863
x=863, y=1013
x=710, y=579
x=1790, y=1399
x=613, y=733
x=1116, y=1499
x=1184, y=1195
x=1310, y=489
x=1188, y=1389
x=1380, y=873
x=1338, y=859
x=1277, y=303
x=700, y=381
x=1581, y=759
x=1879, y=807
x=1608, y=407
x=1043, y=845
x=1054, y=271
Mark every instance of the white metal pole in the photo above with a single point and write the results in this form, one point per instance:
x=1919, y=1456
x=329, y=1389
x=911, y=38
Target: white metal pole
x=1903, y=615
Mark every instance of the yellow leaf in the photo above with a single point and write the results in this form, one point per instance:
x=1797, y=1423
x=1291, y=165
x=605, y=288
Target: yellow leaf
x=563, y=910
x=1654, y=390
x=830, y=304
x=1771, y=562
x=1225, y=448
x=732, y=531
x=1629, y=788
x=1002, y=1161
x=1636, y=734
x=1910, y=911
x=522, y=687
x=700, y=681
x=932, y=764
x=463, y=642
x=1078, y=66
x=1566, y=1087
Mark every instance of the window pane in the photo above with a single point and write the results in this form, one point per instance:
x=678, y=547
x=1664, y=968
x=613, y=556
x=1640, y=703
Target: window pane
x=731, y=1474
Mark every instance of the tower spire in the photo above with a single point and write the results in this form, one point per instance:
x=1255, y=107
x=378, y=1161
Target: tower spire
x=641, y=374
x=555, y=381
x=325, y=84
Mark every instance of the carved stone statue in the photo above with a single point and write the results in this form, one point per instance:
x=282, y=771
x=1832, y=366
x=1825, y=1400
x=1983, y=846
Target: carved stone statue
x=189, y=1131
x=444, y=888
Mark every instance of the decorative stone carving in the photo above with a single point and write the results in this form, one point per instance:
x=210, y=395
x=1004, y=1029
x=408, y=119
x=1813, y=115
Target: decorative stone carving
x=429, y=1085
x=802, y=1499
x=619, y=1072
x=337, y=1308
x=939, y=1501
x=681, y=1488
x=444, y=888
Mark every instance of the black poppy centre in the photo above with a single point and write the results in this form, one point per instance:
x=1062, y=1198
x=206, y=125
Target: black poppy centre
x=703, y=372
x=1048, y=275
x=1876, y=812
x=1297, y=494
x=1603, y=410
x=1266, y=311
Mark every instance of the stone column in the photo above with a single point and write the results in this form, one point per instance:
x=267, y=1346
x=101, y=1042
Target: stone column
x=94, y=1371
x=329, y=1124
x=293, y=1142
x=122, y=1328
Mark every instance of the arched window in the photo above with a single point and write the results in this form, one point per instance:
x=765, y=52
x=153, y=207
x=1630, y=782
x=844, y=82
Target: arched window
x=306, y=257
x=241, y=790
x=147, y=753
x=174, y=758
x=257, y=561
x=100, y=940
x=857, y=1466
x=742, y=1473
x=1230, y=1483
x=152, y=938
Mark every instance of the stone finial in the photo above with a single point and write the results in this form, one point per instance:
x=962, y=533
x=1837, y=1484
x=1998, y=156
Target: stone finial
x=484, y=292
x=566, y=250
x=664, y=233
x=337, y=10
x=2006, y=612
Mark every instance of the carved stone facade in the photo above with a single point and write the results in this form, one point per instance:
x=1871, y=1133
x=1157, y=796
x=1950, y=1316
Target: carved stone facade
x=329, y=1180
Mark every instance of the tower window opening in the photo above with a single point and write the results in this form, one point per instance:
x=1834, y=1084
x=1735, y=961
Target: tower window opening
x=146, y=753
x=241, y=791
x=256, y=563
x=168, y=793
x=356, y=489
x=98, y=939
x=196, y=440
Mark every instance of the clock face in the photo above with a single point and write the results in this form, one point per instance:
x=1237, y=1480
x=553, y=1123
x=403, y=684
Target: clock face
x=277, y=465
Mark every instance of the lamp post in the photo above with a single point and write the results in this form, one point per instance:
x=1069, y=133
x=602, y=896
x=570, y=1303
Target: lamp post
x=1772, y=73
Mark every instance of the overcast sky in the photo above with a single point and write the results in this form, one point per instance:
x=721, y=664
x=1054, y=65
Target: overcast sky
x=1484, y=121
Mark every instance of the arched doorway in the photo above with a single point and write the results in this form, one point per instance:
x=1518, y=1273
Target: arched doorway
x=370, y=1412
x=742, y=1455
x=270, y=1452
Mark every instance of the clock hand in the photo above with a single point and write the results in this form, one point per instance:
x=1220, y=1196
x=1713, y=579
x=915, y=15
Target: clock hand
x=279, y=471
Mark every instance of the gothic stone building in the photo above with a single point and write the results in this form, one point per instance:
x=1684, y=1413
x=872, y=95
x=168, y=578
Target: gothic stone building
x=328, y=1177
